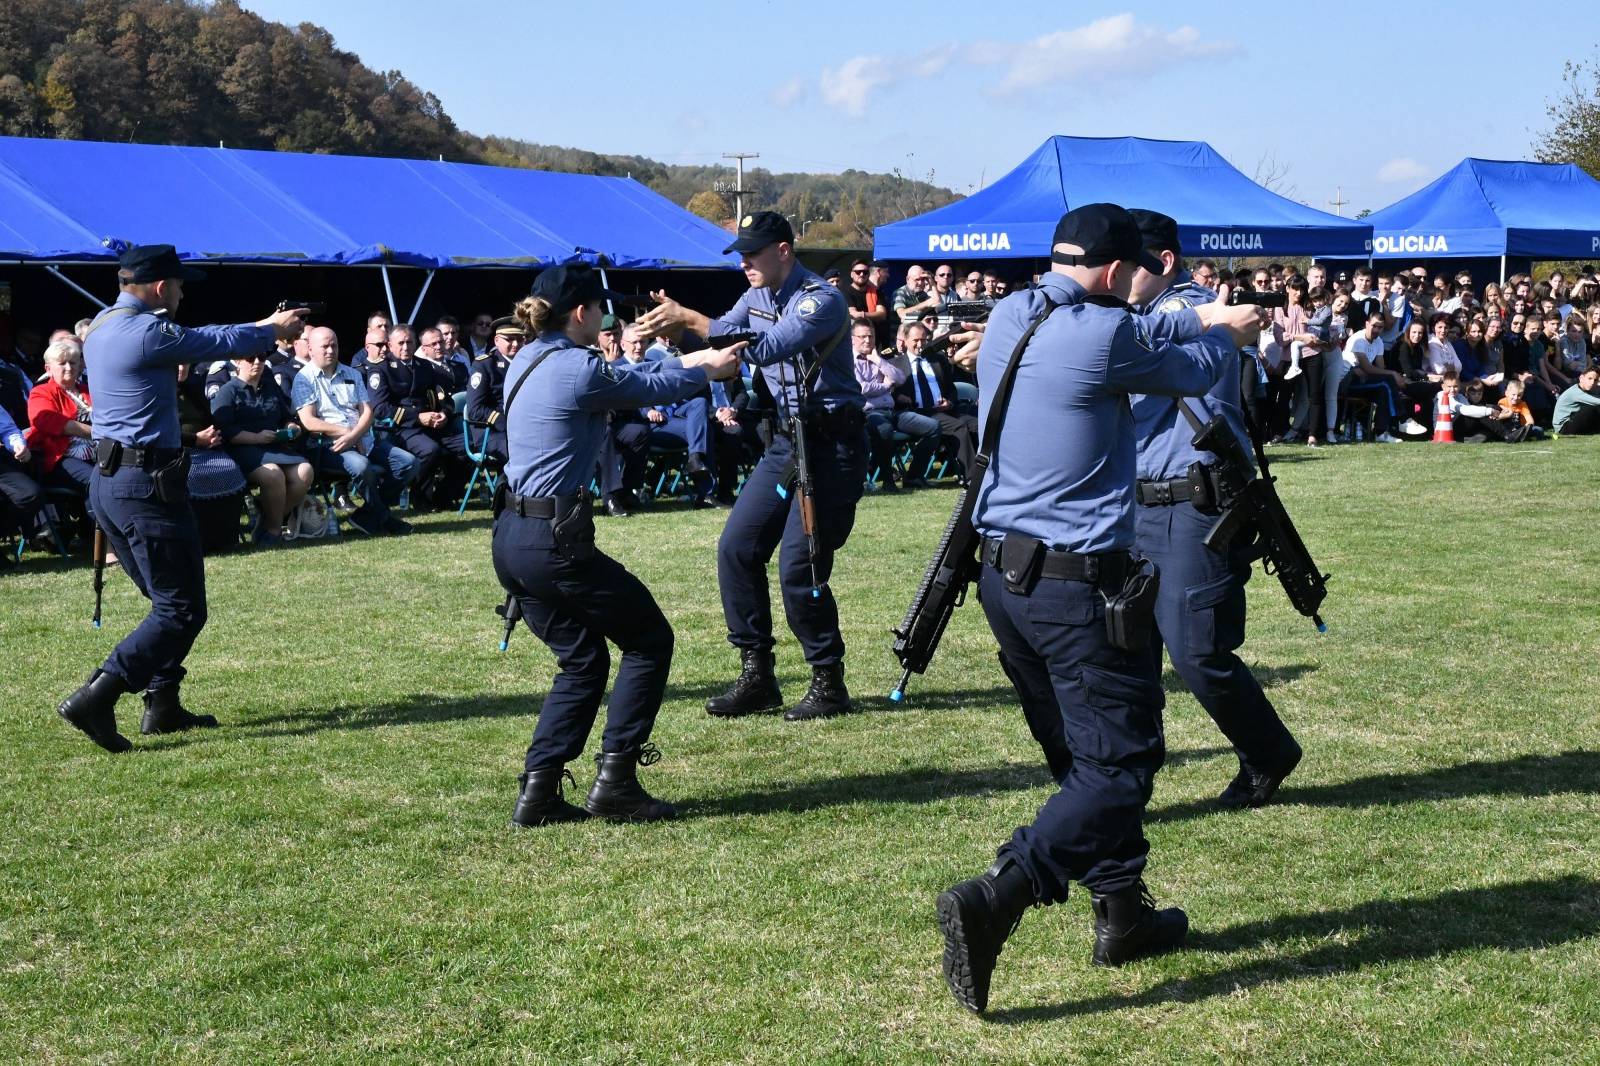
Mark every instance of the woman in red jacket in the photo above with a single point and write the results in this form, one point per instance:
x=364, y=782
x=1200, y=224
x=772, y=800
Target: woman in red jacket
x=60, y=413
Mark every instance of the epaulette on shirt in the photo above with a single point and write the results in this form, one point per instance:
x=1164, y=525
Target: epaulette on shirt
x=481, y=358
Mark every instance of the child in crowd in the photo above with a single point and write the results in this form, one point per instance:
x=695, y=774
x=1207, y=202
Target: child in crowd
x=1515, y=411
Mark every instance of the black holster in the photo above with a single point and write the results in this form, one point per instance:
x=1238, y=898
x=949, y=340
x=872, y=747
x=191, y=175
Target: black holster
x=108, y=456
x=172, y=480
x=573, y=527
x=1131, y=609
x=1021, y=560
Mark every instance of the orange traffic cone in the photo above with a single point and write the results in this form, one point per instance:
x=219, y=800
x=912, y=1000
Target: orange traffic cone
x=1444, y=431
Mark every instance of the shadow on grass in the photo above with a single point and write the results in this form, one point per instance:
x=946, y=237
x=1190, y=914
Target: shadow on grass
x=415, y=710
x=1269, y=676
x=1526, y=775
x=1521, y=916
x=924, y=784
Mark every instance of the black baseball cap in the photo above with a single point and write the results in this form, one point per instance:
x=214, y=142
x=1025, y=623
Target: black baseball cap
x=569, y=286
x=760, y=229
x=142, y=264
x=1160, y=232
x=1097, y=234
x=830, y=274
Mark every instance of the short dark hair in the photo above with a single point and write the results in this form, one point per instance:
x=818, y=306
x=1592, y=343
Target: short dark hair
x=448, y=320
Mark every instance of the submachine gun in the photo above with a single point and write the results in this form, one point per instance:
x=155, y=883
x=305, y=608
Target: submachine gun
x=1250, y=504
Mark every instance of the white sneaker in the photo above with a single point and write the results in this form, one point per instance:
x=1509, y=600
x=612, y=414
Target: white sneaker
x=1412, y=428
x=1387, y=438
x=1292, y=373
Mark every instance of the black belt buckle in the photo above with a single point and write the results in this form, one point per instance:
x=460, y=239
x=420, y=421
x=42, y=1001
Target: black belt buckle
x=1157, y=493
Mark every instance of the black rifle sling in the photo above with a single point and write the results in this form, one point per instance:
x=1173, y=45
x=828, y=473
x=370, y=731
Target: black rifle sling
x=1199, y=426
x=1002, y=395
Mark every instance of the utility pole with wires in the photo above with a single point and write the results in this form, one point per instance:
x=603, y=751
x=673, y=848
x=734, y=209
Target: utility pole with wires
x=738, y=190
x=1338, y=200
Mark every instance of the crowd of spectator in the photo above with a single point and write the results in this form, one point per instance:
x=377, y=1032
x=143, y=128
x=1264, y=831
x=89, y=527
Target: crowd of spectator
x=413, y=412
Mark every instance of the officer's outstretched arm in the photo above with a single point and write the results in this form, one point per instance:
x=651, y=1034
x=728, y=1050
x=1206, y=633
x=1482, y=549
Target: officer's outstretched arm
x=1175, y=327
x=1139, y=364
x=599, y=387
x=169, y=344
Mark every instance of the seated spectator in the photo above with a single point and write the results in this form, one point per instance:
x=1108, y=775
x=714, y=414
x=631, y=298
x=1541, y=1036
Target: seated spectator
x=285, y=362
x=485, y=408
x=260, y=433
x=621, y=466
x=1514, y=412
x=1594, y=330
x=1574, y=345
x=929, y=390
x=914, y=297
x=20, y=498
x=332, y=400
x=1578, y=408
x=1366, y=378
x=1544, y=350
x=62, y=417
x=1480, y=420
x=1468, y=418
x=450, y=349
x=685, y=424
x=457, y=374
x=734, y=438
x=417, y=398
x=481, y=339
x=1442, y=354
x=877, y=376
x=1410, y=361
x=1492, y=352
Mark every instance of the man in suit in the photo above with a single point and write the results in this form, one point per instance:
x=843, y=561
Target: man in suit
x=930, y=389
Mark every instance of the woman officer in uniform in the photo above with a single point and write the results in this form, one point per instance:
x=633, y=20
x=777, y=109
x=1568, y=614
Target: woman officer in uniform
x=574, y=597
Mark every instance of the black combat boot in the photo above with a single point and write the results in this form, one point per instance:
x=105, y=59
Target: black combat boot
x=976, y=917
x=541, y=801
x=1127, y=926
x=164, y=714
x=93, y=709
x=754, y=691
x=617, y=794
x=825, y=698
x=1252, y=789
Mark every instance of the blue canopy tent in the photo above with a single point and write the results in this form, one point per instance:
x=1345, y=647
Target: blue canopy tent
x=1220, y=212
x=60, y=201
x=1489, y=208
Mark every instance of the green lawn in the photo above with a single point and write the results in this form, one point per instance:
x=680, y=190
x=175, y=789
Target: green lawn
x=331, y=877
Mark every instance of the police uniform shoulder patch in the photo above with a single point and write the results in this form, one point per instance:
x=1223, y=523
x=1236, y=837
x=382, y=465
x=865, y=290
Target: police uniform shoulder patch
x=808, y=306
x=607, y=371
x=212, y=390
x=374, y=380
x=171, y=329
x=477, y=379
x=1172, y=304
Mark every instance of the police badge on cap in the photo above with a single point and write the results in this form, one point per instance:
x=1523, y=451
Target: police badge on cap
x=760, y=229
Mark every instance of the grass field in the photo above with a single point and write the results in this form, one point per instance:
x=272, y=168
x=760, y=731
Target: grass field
x=331, y=876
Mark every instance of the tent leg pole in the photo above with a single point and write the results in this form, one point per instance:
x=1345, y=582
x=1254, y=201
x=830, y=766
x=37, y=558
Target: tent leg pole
x=1502, y=270
x=388, y=290
x=91, y=297
x=605, y=284
x=416, y=308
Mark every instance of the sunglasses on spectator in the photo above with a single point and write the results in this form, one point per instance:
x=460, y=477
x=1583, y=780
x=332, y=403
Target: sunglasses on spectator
x=942, y=274
x=858, y=273
x=252, y=358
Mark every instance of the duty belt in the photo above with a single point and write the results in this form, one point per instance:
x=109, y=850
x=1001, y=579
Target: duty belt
x=1108, y=568
x=1163, y=493
x=532, y=506
x=143, y=458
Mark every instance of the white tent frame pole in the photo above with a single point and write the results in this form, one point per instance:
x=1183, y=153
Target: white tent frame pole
x=388, y=290
x=606, y=284
x=1502, y=269
x=69, y=283
x=416, y=308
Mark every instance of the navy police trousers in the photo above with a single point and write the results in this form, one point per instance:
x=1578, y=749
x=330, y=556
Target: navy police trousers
x=158, y=546
x=575, y=608
x=1200, y=615
x=1096, y=712
x=761, y=520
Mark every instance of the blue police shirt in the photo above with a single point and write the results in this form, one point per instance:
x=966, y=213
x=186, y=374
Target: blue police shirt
x=556, y=426
x=132, y=359
x=805, y=314
x=1063, y=470
x=1165, y=451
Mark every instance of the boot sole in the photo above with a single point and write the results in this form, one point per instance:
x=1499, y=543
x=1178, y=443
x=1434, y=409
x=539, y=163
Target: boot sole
x=791, y=716
x=551, y=819
x=771, y=707
x=957, y=959
x=156, y=731
x=116, y=743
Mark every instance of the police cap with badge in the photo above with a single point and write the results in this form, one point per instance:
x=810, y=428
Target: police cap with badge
x=145, y=264
x=508, y=326
x=760, y=229
x=569, y=286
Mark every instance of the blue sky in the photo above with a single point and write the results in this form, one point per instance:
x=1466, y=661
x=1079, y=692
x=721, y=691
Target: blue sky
x=1375, y=105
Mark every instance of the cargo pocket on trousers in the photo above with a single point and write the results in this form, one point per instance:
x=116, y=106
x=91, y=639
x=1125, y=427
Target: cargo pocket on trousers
x=1127, y=717
x=1215, y=616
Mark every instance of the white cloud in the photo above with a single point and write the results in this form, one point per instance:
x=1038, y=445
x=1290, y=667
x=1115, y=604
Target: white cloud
x=789, y=93
x=1401, y=168
x=1112, y=47
x=849, y=86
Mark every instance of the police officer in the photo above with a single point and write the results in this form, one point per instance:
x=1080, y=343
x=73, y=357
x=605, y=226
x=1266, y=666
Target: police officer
x=418, y=400
x=138, y=493
x=801, y=322
x=485, y=387
x=1200, y=610
x=574, y=597
x=1055, y=510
